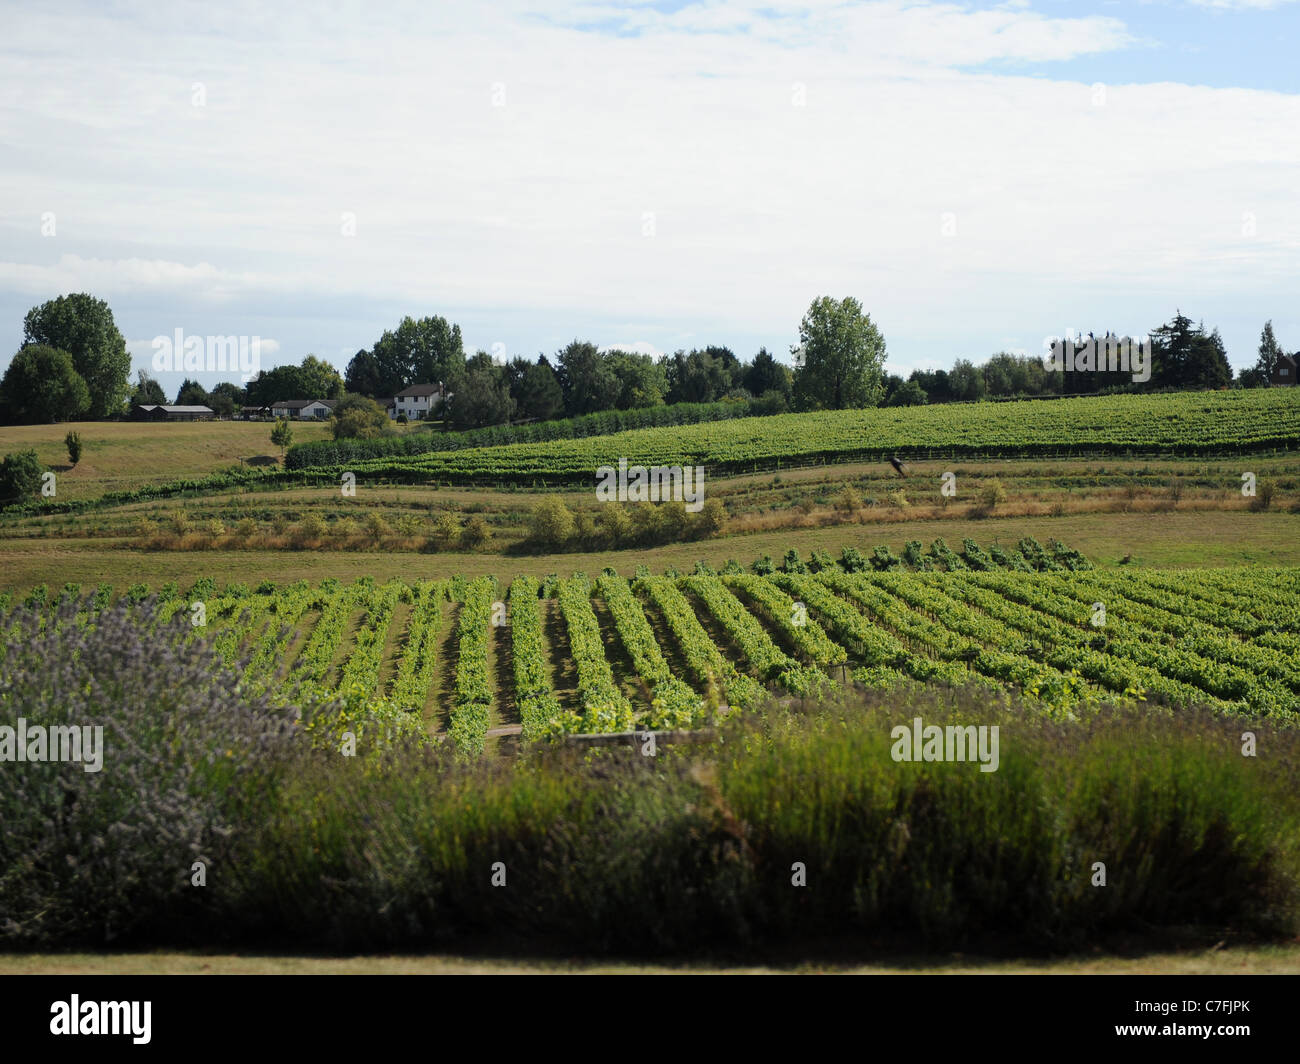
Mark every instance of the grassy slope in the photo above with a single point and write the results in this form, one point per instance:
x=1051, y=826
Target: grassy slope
x=1165, y=539
x=123, y=455
x=1262, y=960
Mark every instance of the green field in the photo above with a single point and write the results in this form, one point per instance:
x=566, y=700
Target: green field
x=572, y=655
x=125, y=455
x=1185, y=422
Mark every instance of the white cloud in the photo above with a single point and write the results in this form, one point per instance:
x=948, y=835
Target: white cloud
x=777, y=157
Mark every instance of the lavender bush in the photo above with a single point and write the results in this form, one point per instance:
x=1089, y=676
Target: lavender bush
x=99, y=856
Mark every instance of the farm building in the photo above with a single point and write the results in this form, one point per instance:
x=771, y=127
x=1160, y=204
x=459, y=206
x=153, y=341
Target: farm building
x=1285, y=370
x=152, y=412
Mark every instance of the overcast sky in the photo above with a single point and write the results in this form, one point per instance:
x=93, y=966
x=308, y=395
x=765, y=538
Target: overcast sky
x=653, y=175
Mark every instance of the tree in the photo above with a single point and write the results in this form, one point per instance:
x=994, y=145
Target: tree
x=480, y=395
x=965, y=382
x=766, y=374
x=191, y=393
x=934, y=383
x=73, y=442
x=282, y=434
x=312, y=379
x=586, y=379
x=41, y=385
x=83, y=326
x=319, y=380
x=539, y=395
x=1207, y=364
x=20, y=477
x=1171, y=348
x=1269, y=353
x=427, y=351
x=703, y=376
x=908, y=393
x=843, y=357
x=226, y=398
x=362, y=376
x=641, y=379
x=148, y=392
x=359, y=417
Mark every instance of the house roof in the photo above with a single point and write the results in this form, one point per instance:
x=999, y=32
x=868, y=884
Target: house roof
x=419, y=389
x=299, y=404
x=184, y=409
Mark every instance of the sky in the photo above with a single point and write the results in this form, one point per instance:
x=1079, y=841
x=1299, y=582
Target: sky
x=652, y=176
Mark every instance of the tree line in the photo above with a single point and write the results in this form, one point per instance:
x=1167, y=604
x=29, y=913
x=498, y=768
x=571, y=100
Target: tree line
x=74, y=364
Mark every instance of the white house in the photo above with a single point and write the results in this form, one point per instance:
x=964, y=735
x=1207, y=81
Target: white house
x=319, y=409
x=417, y=401
x=303, y=409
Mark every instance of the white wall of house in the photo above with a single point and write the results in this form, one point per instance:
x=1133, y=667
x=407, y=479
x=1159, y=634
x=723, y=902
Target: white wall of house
x=415, y=406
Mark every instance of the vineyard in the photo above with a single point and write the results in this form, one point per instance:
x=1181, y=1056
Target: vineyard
x=460, y=658
x=1183, y=423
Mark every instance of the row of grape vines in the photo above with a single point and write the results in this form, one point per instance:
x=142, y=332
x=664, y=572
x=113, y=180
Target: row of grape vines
x=673, y=651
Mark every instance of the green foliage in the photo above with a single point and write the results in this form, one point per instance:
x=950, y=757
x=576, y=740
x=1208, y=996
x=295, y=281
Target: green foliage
x=73, y=442
x=356, y=417
x=552, y=522
x=473, y=695
x=83, y=326
x=843, y=357
x=851, y=560
x=42, y=385
x=20, y=477
x=673, y=703
x=538, y=706
x=282, y=434
x=604, y=706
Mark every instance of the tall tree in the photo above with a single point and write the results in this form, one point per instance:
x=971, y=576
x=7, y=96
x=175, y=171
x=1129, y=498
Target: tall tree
x=586, y=379
x=191, y=393
x=363, y=377
x=843, y=357
x=83, y=326
x=312, y=379
x=703, y=376
x=1171, y=349
x=226, y=398
x=1269, y=353
x=319, y=379
x=539, y=394
x=641, y=379
x=427, y=351
x=965, y=382
x=276, y=384
x=41, y=386
x=766, y=374
x=1207, y=364
x=148, y=392
x=480, y=395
